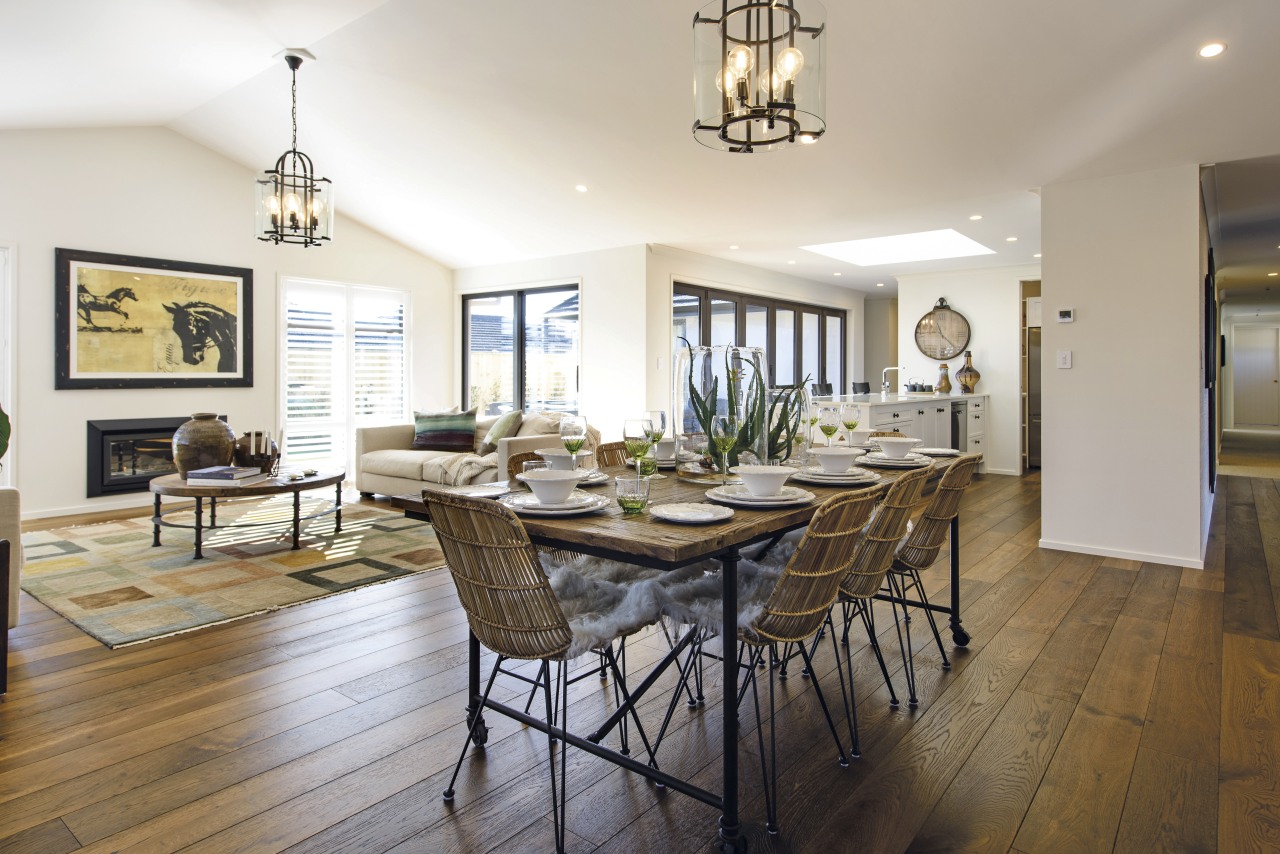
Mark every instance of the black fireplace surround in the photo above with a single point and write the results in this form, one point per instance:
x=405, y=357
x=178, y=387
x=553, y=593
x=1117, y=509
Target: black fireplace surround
x=125, y=454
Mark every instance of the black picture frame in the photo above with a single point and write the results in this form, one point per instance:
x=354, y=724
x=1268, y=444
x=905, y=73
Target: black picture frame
x=151, y=323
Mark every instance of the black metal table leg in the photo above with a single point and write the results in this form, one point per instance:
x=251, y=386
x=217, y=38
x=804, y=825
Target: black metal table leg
x=958, y=634
x=213, y=512
x=155, y=523
x=199, y=528
x=337, y=510
x=730, y=837
x=297, y=518
x=475, y=719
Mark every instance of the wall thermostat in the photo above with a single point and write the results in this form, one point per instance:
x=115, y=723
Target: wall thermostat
x=1066, y=315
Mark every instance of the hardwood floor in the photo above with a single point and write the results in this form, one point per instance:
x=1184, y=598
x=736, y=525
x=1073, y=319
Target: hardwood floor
x=1102, y=705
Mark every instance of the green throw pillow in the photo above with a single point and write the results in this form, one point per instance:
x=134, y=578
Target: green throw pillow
x=444, y=431
x=505, y=426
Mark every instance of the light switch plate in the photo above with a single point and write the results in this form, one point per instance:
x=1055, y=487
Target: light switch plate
x=1064, y=358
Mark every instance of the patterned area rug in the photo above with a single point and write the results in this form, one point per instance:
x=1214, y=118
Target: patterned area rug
x=109, y=580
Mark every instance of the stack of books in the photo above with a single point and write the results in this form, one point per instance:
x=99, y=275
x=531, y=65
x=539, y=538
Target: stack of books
x=226, y=476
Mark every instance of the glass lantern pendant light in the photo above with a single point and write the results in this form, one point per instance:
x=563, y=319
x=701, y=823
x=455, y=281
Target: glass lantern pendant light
x=294, y=206
x=759, y=81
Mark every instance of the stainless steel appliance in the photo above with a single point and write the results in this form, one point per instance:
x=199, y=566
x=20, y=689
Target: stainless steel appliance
x=1033, y=397
x=960, y=425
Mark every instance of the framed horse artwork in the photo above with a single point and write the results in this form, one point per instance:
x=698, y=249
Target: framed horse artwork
x=130, y=322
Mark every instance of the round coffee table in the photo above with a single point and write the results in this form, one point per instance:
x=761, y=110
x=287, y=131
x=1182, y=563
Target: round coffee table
x=175, y=485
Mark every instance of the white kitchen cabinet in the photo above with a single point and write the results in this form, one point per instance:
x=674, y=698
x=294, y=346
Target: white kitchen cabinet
x=923, y=417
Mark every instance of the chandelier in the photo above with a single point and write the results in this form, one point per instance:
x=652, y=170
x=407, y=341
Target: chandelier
x=294, y=206
x=759, y=82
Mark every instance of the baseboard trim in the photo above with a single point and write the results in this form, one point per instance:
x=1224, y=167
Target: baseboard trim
x=1168, y=560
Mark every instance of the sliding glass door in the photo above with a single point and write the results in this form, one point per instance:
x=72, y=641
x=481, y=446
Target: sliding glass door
x=521, y=350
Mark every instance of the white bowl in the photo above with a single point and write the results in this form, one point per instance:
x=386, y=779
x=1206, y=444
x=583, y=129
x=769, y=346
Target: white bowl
x=894, y=447
x=763, y=481
x=550, y=486
x=560, y=459
x=665, y=449
x=858, y=437
x=836, y=460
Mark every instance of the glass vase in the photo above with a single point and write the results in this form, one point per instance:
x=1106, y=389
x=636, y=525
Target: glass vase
x=713, y=382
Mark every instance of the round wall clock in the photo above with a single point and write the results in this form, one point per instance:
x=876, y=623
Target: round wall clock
x=943, y=333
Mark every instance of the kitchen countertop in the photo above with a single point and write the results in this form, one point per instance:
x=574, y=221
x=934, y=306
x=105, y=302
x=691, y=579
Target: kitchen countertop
x=875, y=398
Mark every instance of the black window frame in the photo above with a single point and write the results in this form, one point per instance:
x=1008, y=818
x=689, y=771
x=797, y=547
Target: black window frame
x=742, y=301
x=518, y=341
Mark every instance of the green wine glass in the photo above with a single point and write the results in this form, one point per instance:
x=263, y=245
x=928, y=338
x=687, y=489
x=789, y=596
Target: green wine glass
x=724, y=435
x=849, y=418
x=635, y=435
x=573, y=433
x=829, y=422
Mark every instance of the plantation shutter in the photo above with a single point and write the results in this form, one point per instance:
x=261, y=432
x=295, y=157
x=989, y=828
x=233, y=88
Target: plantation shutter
x=345, y=365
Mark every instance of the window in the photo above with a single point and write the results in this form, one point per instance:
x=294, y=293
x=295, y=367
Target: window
x=522, y=350
x=799, y=340
x=346, y=365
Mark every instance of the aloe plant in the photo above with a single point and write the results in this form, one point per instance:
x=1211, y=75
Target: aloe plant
x=783, y=420
x=751, y=403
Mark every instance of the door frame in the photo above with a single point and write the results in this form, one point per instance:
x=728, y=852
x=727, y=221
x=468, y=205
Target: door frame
x=1228, y=372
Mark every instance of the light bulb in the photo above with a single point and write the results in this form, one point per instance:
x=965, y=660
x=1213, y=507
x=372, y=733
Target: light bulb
x=740, y=61
x=292, y=203
x=788, y=63
x=317, y=208
x=726, y=81
x=765, y=90
x=273, y=204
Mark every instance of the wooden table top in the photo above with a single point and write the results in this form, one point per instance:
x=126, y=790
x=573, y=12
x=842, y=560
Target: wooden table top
x=176, y=484
x=647, y=540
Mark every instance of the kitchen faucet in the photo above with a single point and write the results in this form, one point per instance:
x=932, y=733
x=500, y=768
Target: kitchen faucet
x=884, y=380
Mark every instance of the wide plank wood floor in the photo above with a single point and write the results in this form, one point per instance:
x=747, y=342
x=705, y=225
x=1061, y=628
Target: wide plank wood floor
x=1103, y=705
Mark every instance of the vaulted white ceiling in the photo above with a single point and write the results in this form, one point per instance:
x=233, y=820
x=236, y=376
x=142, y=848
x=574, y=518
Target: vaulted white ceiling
x=461, y=129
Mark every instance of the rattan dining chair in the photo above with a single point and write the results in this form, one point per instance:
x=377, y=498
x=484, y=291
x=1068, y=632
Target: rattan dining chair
x=513, y=610
x=870, y=565
x=791, y=613
x=515, y=462
x=919, y=551
x=611, y=454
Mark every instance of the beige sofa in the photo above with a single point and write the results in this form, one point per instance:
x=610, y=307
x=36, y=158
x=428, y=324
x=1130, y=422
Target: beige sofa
x=11, y=530
x=387, y=463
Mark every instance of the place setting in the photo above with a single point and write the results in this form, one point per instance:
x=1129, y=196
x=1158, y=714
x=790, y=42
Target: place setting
x=762, y=487
x=895, y=453
x=836, y=467
x=553, y=492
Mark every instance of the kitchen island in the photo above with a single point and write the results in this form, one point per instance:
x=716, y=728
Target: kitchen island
x=921, y=416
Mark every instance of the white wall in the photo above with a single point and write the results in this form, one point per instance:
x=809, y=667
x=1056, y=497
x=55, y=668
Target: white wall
x=151, y=192
x=1123, y=429
x=612, y=298
x=668, y=265
x=990, y=300
x=881, y=337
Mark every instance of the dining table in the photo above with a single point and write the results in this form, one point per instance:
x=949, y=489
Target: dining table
x=646, y=540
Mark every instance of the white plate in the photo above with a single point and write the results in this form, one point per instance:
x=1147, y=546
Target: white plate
x=938, y=452
x=579, y=502
x=738, y=494
x=662, y=464
x=820, y=472
x=593, y=477
x=895, y=464
x=854, y=478
x=691, y=514
x=479, y=490
x=911, y=457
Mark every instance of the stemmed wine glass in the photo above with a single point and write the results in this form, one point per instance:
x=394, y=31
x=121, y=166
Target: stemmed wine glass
x=573, y=432
x=658, y=428
x=829, y=422
x=849, y=418
x=724, y=434
x=635, y=435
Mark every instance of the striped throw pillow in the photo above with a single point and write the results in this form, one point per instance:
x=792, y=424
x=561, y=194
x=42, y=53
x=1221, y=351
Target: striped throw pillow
x=444, y=431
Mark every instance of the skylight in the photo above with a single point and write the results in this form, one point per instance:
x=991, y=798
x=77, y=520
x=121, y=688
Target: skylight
x=899, y=248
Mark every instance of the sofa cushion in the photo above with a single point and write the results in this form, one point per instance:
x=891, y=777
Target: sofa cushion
x=540, y=423
x=444, y=431
x=502, y=427
x=398, y=463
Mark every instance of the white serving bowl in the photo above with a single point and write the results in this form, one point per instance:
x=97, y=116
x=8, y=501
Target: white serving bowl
x=665, y=449
x=836, y=460
x=560, y=459
x=550, y=486
x=895, y=447
x=859, y=437
x=763, y=481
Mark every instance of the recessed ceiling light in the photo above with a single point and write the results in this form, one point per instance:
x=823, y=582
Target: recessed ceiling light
x=879, y=284
x=1212, y=49
x=976, y=217
x=733, y=246
x=581, y=188
x=837, y=274
x=1037, y=255
x=899, y=248
x=1273, y=274
x=1011, y=240
x=791, y=262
